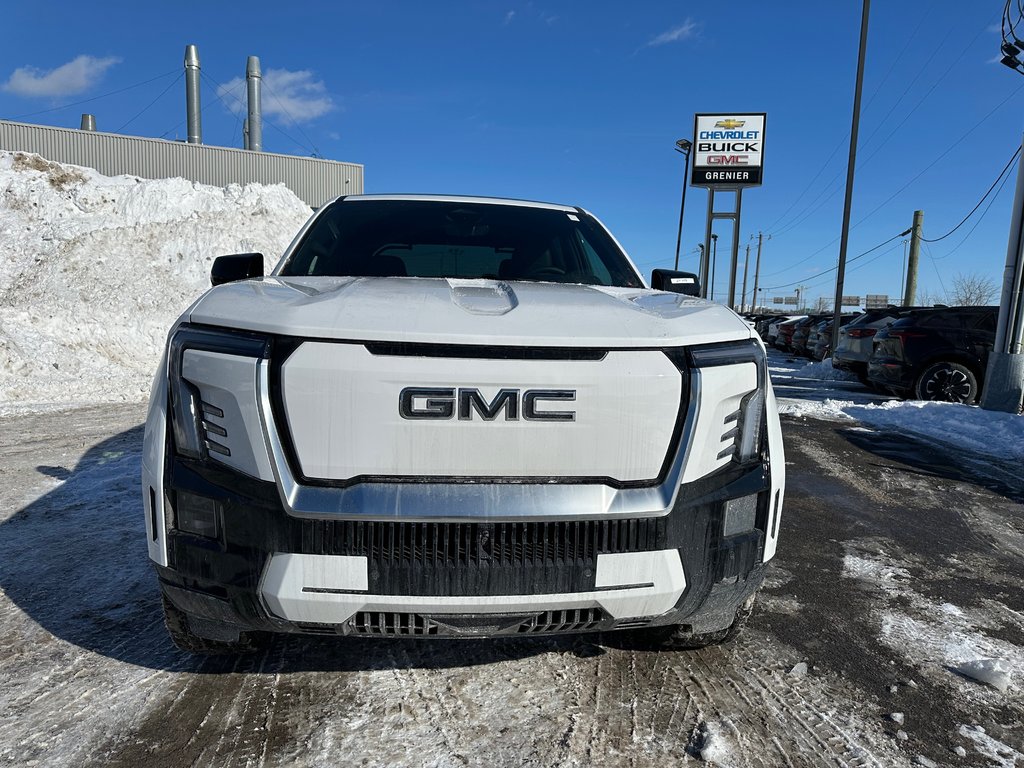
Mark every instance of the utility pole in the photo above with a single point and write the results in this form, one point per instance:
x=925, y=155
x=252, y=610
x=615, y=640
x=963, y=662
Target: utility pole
x=1004, y=381
x=743, y=296
x=915, y=252
x=700, y=257
x=757, y=265
x=850, y=167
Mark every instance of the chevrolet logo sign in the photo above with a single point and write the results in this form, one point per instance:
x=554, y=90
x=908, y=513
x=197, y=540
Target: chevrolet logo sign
x=729, y=123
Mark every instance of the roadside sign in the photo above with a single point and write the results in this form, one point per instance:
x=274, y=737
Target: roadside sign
x=794, y=300
x=876, y=301
x=778, y=299
x=728, y=150
x=851, y=301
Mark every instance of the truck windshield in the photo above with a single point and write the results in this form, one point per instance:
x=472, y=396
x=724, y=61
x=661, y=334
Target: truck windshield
x=426, y=238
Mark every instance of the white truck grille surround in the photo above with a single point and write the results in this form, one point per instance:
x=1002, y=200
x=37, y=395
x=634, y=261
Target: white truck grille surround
x=342, y=409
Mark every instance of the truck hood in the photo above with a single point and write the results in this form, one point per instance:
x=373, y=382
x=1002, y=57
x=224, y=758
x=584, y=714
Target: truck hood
x=451, y=311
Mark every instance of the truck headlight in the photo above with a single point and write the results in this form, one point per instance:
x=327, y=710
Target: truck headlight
x=750, y=418
x=185, y=407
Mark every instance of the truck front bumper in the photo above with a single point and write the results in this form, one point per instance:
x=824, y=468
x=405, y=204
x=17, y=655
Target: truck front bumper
x=261, y=569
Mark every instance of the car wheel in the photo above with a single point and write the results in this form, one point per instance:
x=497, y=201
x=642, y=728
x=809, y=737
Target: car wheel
x=177, y=623
x=947, y=382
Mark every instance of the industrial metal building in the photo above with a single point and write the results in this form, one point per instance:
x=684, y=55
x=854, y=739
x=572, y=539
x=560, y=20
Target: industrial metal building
x=313, y=180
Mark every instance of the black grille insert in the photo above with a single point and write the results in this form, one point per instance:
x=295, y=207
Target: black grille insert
x=391, y=623
x=521, y=558
x=566, y=620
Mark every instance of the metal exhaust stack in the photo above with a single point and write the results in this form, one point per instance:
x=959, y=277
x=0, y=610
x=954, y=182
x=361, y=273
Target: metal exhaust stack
x=192, y=109
x=254, y=81
x=88, y=122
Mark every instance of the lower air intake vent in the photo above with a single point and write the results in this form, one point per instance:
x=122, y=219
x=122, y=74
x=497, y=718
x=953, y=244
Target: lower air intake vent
x=382, y=623
x=574, y=620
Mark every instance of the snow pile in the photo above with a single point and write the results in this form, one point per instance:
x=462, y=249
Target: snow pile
x=95, y=269
x=823, y=371
x=971, y=428
x=995, y=751
x=720, y=743
x=994, y=672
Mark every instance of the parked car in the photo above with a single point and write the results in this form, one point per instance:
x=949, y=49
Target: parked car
x=935, y=354
x=458, y=416
x=819, y=341
x=801, y=332
x=771, y=327
x=784, y=332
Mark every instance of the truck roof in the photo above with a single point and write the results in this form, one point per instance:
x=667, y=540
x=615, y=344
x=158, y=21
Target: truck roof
x=461, y=199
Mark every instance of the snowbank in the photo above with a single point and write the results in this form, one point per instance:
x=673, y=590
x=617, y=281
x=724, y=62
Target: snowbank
x=94, y=270
x=969, y=427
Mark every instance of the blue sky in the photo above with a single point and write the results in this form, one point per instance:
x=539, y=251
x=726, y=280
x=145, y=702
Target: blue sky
x=581, y=103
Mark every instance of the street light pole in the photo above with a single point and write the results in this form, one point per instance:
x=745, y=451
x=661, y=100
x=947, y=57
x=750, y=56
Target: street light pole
x=844, y=236
x=683, y=146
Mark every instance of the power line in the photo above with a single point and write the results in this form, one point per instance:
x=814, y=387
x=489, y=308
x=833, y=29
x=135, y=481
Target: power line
x=927, y=168
x=833, y=269
x=842, y=141
x=242, y=106
x=978, y=222
x=94, y=98
x=281, y=104
x=976, y=207
x=154, y=101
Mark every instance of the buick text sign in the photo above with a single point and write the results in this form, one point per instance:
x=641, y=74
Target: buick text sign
x=728, y=150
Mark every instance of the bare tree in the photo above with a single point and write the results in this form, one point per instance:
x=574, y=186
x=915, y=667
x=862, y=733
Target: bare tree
x=930, y=299
x=821, y=305
x=973, y=290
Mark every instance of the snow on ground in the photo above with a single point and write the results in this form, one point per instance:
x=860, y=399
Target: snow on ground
x=951, y=643
x=818, y=391
x=94, y=270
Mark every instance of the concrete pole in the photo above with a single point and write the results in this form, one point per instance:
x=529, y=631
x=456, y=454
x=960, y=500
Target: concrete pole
x=193, y=112
x=1004, y=380
x=254, y=81
x=910, y=293
x=88, y=122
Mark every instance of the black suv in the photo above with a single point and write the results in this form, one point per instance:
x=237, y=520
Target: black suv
x=935, y=354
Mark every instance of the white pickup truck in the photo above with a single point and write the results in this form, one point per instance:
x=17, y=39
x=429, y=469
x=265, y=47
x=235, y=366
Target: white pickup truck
x=451, y=416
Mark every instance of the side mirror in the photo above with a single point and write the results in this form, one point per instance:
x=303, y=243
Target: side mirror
x=239, y=266
x=676, y=282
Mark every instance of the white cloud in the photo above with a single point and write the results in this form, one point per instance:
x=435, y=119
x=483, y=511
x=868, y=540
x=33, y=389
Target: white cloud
x=78, y=75
x=684, y=31
x=292, y=97
x=509, y=16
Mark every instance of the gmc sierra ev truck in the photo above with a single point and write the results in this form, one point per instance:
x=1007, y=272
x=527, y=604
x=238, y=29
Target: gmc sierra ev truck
x=445, y=416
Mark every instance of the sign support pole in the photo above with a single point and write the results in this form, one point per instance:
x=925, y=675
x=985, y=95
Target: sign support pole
x=734, y=268
x=705, y=264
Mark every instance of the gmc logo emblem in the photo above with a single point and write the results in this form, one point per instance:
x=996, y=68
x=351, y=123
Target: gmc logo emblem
x=447, y=402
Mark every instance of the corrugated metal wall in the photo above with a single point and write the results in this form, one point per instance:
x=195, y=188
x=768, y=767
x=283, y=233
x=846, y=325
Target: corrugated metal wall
x=314, y=181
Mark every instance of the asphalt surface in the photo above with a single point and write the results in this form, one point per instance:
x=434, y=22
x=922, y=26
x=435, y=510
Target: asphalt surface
x=897, y=560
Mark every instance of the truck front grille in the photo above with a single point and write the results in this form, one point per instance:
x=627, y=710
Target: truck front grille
x=420, y=558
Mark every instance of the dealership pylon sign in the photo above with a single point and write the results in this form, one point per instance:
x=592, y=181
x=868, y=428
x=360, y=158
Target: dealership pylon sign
x=728, y=150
